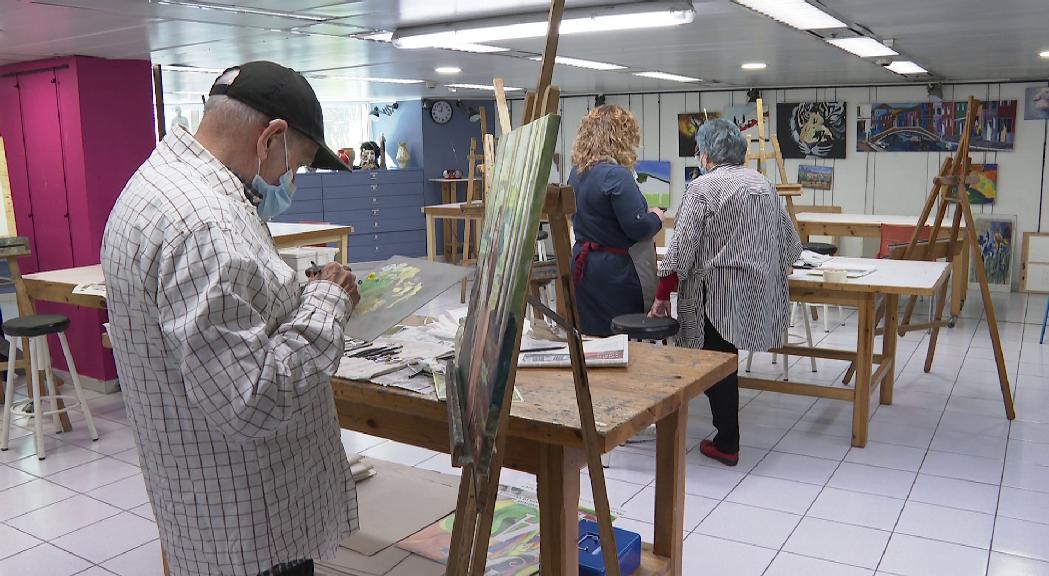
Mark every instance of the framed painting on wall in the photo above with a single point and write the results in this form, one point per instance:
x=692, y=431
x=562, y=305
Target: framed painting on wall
x=935, y=127
x=691, y=173
x=816, y=177
x=687, y=126
x=1036, y=103
x=811, y=129
x=745, y=118
x=995, y=236
x=653, y=178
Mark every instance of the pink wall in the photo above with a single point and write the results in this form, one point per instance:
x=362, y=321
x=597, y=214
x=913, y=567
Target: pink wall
x=63, y=197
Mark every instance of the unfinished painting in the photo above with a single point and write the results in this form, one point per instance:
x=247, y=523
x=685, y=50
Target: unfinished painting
x=811, y=129
x=745, y=118
x=986, y=190
x=935, y=127
x=687, y=126
x=653, y=178
x=1036, y=103
x=395, y=290
x=488, y=346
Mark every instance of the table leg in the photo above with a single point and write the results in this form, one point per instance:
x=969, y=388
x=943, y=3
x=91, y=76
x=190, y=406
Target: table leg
x=447, y=197
x=670, y=487
x=888, y=345
x=864, y=359
x=344, y=249
x=431, y=238
x=558, y=483
x=960, y=280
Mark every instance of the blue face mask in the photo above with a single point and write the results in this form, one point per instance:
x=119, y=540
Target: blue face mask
x=702, y=168
x=276, y=198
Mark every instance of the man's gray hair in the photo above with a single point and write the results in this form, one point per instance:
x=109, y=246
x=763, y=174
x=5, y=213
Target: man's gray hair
x=232, y=114
x=722, y=142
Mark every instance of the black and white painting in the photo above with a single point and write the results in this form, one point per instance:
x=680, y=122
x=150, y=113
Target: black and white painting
x=811, y=129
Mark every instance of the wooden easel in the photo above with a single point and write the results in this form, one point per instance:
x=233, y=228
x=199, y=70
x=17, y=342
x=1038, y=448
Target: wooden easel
x=786, y=190
x=949, y=188
x=471, y=241
x=474, y=511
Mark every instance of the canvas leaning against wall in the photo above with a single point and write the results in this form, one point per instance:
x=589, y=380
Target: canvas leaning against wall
x=934, y=127
x=995, y=236
x=811, y=129
x=687, y=126
x=653, y=178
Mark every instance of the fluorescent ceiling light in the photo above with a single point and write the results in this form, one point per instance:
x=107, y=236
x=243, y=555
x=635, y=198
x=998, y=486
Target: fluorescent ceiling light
x=475, y=48
x=241, y=10
x=177, y=68
x=1044, y=54
x=754, y=66
x=906, y=67
x=481, y=87
x=666, y=76
x=863, y=47
x=588, y=64
x=794, y=13
x=371, y=79
x=511, y=28
x=378, y=36
x=447, y=70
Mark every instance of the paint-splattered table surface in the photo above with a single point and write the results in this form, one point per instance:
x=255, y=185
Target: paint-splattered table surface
x=658, y=381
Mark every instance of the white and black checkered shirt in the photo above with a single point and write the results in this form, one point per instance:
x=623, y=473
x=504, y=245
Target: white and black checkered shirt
x=225, y=368
x=732, y=247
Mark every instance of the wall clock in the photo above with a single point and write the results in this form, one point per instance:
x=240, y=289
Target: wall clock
x=441, y=111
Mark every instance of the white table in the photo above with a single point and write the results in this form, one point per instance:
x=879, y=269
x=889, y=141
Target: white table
x=287, y=235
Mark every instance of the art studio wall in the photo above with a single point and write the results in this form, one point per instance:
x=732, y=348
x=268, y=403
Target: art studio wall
x=866, y=182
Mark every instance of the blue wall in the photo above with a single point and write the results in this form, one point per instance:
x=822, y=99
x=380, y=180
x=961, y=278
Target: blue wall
x=405, y=125
x=447, y=146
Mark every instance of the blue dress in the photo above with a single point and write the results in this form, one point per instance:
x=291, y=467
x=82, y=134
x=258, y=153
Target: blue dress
x=611, y=213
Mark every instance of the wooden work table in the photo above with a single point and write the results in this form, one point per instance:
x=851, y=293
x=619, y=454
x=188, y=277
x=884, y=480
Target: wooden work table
x=544, y=433
x=287, y=235
x=545, y=437
x=890, y=280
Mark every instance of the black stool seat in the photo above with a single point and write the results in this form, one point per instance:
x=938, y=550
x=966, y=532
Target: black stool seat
x=820, y=248
x=642, y=327
x=36, y=325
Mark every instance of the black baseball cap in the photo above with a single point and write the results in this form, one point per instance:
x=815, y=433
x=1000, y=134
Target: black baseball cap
x=280, y=92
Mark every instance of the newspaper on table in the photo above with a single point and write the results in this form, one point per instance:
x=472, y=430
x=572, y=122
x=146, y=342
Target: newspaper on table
x=91, y=289
x=603, y=352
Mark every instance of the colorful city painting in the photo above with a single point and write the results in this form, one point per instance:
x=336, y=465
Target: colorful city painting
x=1036, y=103
x=687, y=126
x=811, y=129
x=745, y=118
x=816, y=177
x=995, y=237
x=986, y=190
x=488, y=346
x=653, y=178
x=935, y=127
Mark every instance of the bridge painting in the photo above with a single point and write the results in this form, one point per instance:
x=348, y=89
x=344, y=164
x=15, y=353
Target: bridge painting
x=935, y=127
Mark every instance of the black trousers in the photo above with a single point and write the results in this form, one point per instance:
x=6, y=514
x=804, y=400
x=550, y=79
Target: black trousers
x=296, y=568
x=723, y=396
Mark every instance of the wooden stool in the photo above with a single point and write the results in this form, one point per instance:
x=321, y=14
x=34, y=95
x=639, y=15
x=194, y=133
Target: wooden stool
x=642, y=327
x=36, y=328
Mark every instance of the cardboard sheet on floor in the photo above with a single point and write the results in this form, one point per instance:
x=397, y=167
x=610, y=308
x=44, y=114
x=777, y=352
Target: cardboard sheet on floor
x=398, y=502
x=350, y=563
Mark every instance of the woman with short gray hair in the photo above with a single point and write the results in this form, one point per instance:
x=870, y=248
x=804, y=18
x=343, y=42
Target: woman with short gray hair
x=732, y=251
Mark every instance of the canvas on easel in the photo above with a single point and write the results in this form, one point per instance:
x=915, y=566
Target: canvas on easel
x=7, y=211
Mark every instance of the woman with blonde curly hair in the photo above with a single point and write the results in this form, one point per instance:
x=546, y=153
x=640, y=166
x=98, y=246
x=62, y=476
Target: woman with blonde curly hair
x=614, y=264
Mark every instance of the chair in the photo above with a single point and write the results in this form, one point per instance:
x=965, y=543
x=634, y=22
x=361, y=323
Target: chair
x=36, y=328
x=786, y=365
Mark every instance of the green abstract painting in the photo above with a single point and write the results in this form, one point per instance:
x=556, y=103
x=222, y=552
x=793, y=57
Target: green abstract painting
x=486, y=349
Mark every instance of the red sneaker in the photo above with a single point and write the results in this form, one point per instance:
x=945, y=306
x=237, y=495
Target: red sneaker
x=708, y=449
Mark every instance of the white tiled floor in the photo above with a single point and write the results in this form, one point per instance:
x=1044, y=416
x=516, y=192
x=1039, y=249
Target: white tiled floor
x=947, y=486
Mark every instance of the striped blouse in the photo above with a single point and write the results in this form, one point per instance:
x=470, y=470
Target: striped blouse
x=733, y=246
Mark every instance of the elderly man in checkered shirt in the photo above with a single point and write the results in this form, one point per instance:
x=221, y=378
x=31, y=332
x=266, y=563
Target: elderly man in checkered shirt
x=224, y=362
